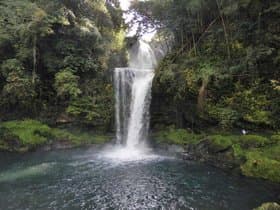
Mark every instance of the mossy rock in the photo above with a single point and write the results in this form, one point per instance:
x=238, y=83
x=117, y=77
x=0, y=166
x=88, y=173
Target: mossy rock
x=220, y=143
x=253, y=141
x=25, y=135
x=269, y=206
x=29, y=131
x=261, y=167
x=8, y=141
x=239, y=153
x=80, y=137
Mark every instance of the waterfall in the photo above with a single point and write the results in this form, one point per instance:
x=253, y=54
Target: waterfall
x=133, y=96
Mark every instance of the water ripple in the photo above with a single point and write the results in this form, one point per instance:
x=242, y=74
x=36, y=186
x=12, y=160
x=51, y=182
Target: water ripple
x=78, y=180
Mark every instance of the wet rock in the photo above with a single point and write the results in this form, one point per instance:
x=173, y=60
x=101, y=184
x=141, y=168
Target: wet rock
x=64, y=119
x=269, y=206
x=8, y=141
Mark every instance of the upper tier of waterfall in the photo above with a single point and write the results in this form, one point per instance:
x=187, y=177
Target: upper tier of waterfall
x=133, y=95
x=141, y=56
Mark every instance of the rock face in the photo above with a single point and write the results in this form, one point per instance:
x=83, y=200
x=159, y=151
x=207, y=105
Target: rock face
x=269, y=206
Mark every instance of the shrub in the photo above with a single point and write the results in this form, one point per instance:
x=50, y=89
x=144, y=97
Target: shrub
x=66, y=84
x=226, y=117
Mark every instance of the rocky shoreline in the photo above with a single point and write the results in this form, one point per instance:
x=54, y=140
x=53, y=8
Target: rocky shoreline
x=222, y=159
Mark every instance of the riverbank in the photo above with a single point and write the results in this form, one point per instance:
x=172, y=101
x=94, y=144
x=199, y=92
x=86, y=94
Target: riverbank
x=251, y=155
x=255, y=156
x=30, y=135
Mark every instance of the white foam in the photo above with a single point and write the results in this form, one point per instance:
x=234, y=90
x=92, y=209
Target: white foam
x=129, y=154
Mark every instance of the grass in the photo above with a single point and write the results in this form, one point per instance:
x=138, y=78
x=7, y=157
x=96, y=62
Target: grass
x=28, y=134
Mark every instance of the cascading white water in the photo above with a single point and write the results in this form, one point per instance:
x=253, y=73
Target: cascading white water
x=133, y=95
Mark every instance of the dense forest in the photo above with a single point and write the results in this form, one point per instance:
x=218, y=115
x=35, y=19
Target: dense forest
x=56, y=58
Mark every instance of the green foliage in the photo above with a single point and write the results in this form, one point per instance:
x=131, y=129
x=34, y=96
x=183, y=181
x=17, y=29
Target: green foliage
x=83, y=107
x=18, y=91
x=261, y=167
x=226, y=117
x=96, y=109
x=259, y=117
x=18, y=88
x=11, y=65
x=66, y=84
x=253, y=105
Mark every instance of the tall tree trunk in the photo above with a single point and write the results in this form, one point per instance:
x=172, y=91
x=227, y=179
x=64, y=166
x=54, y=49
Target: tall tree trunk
x=182, y=38
x=259, y=26
x=202, y=94
x=225, y=29
x=179, y=117
x=194, y=44
x=34, y=59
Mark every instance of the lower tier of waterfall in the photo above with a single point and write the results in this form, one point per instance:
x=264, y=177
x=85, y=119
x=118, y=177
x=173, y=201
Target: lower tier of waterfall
x=133, y=97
